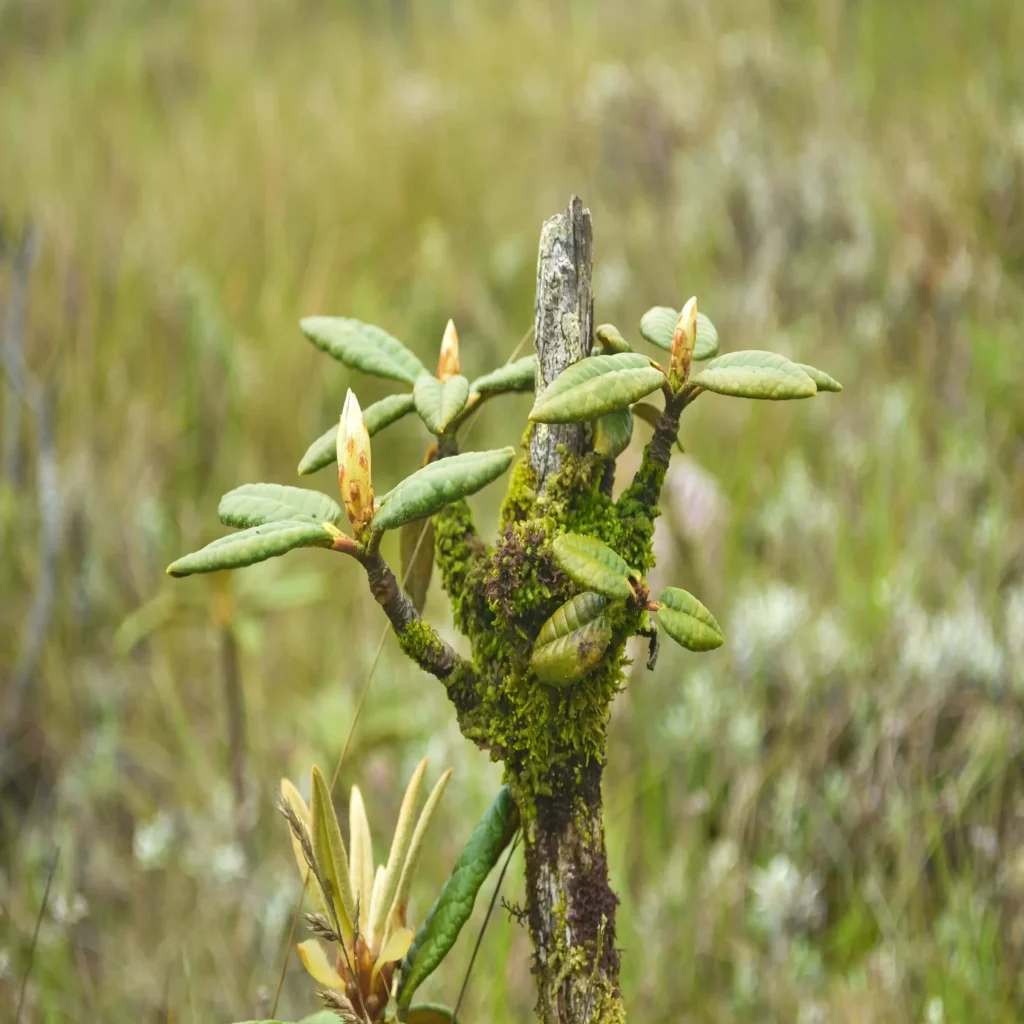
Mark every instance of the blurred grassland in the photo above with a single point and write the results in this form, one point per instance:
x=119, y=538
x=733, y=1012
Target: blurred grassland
x=823, y=821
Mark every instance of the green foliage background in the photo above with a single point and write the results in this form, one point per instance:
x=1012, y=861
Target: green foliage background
x=822, y=821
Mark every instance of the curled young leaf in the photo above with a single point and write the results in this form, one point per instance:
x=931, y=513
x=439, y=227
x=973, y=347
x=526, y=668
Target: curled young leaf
x=454, y=904
x=572, y=642
x=438, y=484
x=611, y=338
x=754, y=374
x=363, y=347
x=417, y=548
x=517, y=376
x=595, y=386
x=658, y=326
x=448, y=364
x=688, y=622
x=323, y=451
x=258, y=504
x=439, y=403
x=612, y=433
x=592, y=564
x=256, y=544
x=821, y=379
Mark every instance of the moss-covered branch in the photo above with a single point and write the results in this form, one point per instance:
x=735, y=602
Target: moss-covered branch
x=418, y=639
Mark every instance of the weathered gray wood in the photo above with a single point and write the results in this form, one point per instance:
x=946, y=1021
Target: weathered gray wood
x=571, y=904
x=564, y=323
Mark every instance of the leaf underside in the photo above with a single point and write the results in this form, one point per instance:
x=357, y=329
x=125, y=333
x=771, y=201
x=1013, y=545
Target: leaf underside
x=430, y=1013
x=439, y=403
x=454, y=904
x=324, y=450
x=256, y=544
x=596, y=386
x=688, y=622
x=258, y=504
x=754, y=374
x=438, y=484
x=593, y=565
x=658, y=325
x=364, y=347
x=518, y=376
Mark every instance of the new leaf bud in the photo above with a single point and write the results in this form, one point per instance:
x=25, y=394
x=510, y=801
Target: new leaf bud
x=683, y=340
x=448, y=363
x=354, y=480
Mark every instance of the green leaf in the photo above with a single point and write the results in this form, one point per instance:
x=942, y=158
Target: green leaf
x=255, y=545
x=688, y=622
x=595, y=386
x=593, y=565
x=612, y=433
x=658, y=325
x=755, y=374
x=258, y=504
x=573, y=641
x=518, y=376
x=650, y=414
x=438, y=484
x=454, y=904
x=821, y=379
x=363, y=347
x=611, y=338
x=430, y=1013
x=417, y=560
x=438, y=404
x=324, y=450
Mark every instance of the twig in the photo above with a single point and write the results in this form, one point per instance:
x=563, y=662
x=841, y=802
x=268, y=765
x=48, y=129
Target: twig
x=35, y=936
x=483, y=927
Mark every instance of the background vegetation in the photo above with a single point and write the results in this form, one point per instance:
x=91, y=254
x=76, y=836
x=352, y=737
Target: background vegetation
x=823, y=821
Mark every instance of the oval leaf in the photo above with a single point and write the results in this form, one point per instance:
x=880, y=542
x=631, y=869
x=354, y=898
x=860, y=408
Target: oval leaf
x=257, y=504
x=430, y=1013
x=454, y=904
x=612, y=433
x=518, y=376
x=324, y=450
x=754, y=374
x=611, y=338
x=595, y=386
x=363, y=347
x=573, y=641
x=438, y=484
x=592, y=564
x=658, y=325
x=438, y=404
x=417, y=547
x=688, y=622
x=255, y=545
x=822, y=381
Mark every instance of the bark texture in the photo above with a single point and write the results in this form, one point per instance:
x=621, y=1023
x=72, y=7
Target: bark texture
x=571, y=905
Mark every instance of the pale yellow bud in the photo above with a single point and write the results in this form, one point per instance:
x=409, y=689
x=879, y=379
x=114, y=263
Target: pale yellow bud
x=683, y=340
x=354, y=479
x=448, y=363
